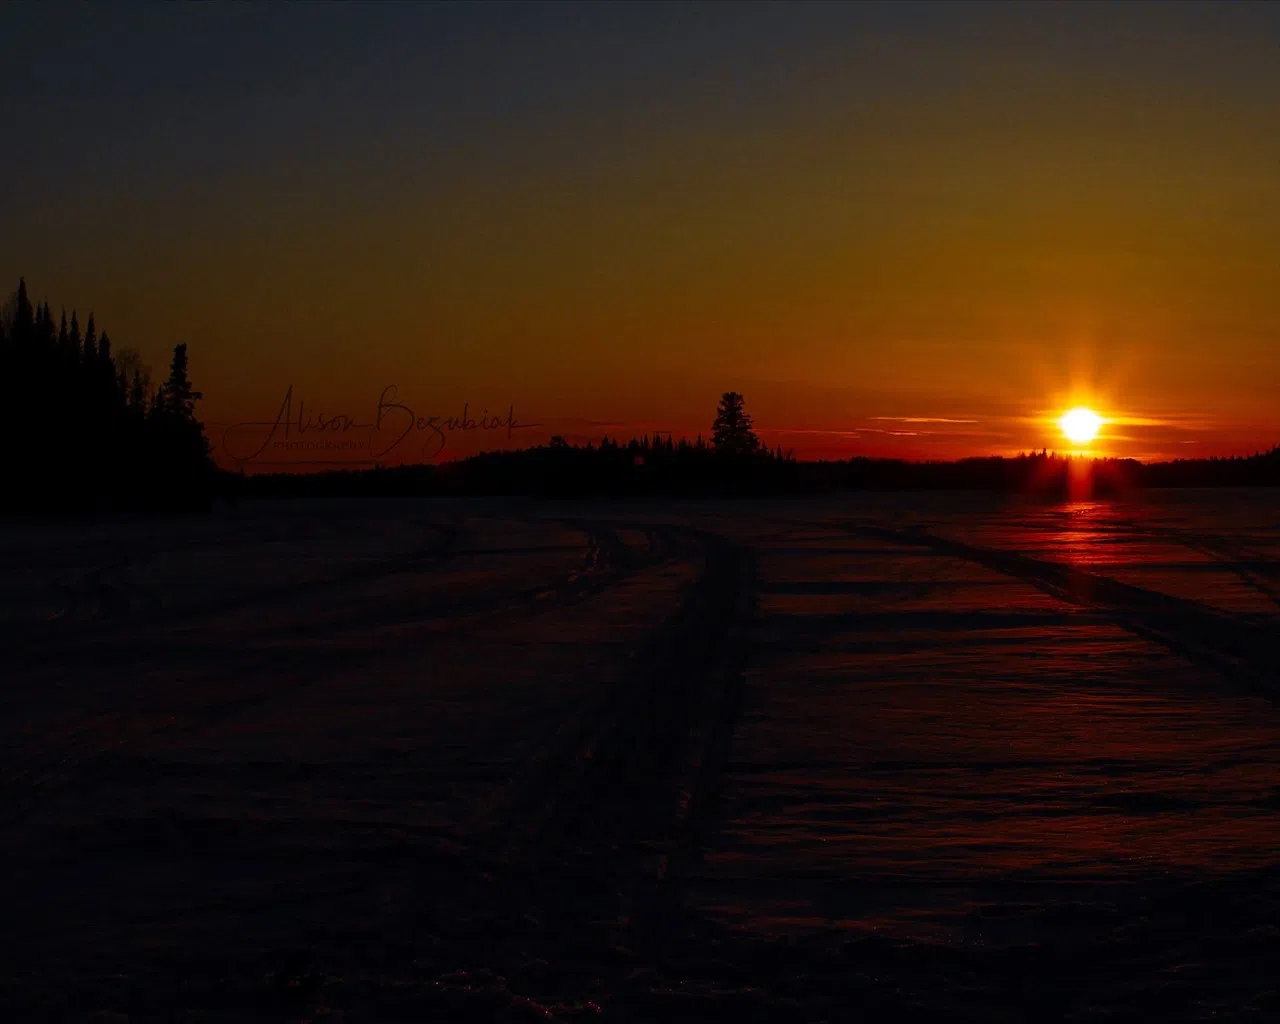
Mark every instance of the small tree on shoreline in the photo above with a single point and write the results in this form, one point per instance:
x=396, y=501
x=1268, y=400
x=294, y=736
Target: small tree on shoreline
x=732, y=432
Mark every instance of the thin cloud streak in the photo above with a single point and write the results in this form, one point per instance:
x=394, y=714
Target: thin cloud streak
x=921, y=419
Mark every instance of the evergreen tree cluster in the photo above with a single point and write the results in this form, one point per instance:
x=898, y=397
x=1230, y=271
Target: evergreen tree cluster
x=644, y=467
x=85, y=426
x=735, y=463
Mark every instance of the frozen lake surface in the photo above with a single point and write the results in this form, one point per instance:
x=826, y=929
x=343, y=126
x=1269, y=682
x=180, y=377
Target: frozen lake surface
x=893, y=756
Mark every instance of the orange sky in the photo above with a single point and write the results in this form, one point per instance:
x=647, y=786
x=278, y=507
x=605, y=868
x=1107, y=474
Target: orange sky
x=920, y=231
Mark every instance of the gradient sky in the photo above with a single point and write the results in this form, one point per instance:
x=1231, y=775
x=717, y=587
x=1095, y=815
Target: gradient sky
x=901, y=230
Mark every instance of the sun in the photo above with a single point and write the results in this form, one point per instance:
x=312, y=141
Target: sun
x=1080, y=425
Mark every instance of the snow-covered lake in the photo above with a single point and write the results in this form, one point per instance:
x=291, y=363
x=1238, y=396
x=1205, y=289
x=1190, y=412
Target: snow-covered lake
x=926, y=755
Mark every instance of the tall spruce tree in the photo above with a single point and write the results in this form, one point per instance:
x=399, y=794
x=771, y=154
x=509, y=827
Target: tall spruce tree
x=732, y=432
x=74, y=340
x=179, y=396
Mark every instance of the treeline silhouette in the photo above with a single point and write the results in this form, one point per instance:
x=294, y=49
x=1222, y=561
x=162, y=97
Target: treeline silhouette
x=642, y=467
x=735, y=463
x=86, y=429
x=1258, y=470
x=661, y=467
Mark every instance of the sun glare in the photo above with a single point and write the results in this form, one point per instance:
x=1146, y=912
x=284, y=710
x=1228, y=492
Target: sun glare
x=1080, y=425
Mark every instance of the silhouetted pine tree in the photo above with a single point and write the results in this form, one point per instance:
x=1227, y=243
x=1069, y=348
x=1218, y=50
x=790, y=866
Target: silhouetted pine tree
x=90, y=343
x=184, y=443
x=74, y=339
x=23, y=318
x=138, y=396
x=732, y=432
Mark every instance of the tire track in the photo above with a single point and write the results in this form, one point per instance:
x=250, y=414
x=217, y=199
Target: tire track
x=627, y=779
x=596, y=723
x=104, y=592
x=1249, y=565
x=438, y=548
x=37, y=769
x=614, y=808
x=101, y=646
x=1237, y=649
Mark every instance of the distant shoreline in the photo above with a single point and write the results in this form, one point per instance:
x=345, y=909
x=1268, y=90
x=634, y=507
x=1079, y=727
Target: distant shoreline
x=644, y=469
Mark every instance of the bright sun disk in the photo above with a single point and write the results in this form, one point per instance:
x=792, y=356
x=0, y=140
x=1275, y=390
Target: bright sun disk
x=1080, y=425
